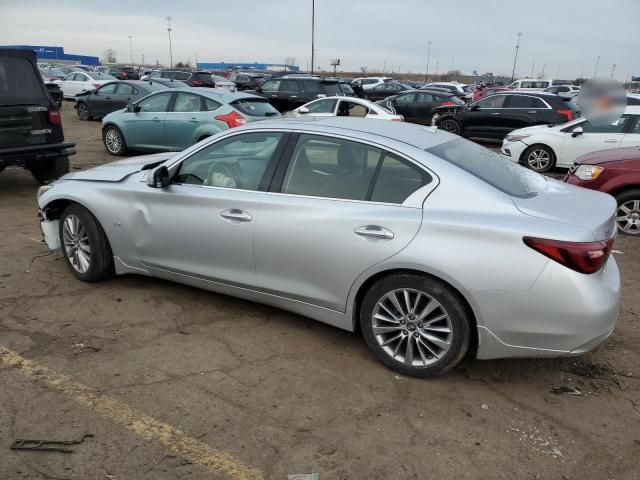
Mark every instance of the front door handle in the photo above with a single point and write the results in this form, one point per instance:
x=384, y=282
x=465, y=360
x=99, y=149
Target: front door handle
x=374, y=231
x=495, y=113
x=532, y=111
x=236, y=214
x=156, y=119
x=193, y=120
x=611, y=140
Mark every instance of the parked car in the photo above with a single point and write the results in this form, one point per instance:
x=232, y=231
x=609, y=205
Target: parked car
x=633, y=99
x=248, y=81
x=346, y=88
x=288, y=92
x=373, y=239
x=222, y=82
x=616, y=172
x=417, y=106
x=167, y=82
x=193, y=79
x=570, y=90
x=55, y=92
x=385, y=90
x=345, y=107
x=531, y=84
x=50, y=74
x=497, y=115
x=543, y=147
x=79, y=82
x=67, y=69
x=479, y=93
x=367, y=83
x=31, y=133
x=124, y=73
x=176, y=118
x=111, y=97
x=463, y=91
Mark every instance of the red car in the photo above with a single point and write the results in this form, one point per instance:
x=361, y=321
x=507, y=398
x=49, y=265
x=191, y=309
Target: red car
x=616, y=172
x=483, y=92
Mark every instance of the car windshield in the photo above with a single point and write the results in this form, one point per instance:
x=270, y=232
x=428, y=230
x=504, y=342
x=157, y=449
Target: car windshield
x=254, y=107
x=219, y=79
x=502, y=174
x=101, y=76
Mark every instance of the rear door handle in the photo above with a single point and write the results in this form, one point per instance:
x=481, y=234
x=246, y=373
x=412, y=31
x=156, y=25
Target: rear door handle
x=532, y=111
x=156, y=119
x=193, y=120
x=374, y=231
x=611, y=140
x=495, y=113
x=237, y=215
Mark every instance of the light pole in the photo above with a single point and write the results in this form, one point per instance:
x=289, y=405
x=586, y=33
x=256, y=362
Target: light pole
x=313, y=33
x=613, y=69
x=131, y=49
x=515, y=58
x=533, y=66
x=170, y=47
x=595, y=72
x=557, y=73
x=426, y=75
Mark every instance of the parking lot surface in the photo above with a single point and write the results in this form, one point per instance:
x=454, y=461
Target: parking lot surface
x=175, y=382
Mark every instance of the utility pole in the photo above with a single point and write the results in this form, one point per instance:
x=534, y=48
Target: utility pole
x=313, y=33
x=426, y=75
x=384, y=67
x=557, y=73
x=196, y=65
x=170, y=47
x=595, y=72
x=515, y=58
x=544, y=68
x=613, y=69
x=533, y=66
x=131, y=49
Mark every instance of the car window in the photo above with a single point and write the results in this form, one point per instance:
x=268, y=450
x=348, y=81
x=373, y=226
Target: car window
x=405, y=99
x=331, y=167
x=155, y=103
x=636, y=128
x=492, y=101
x=187, y=102
x=70, y=77
x=242, y=78
x=351, y=109
x=211, y=105
x=524, y=101
x=235, y=162
x=503, y=174
x=107, y=89
x=322, y=106
x=155, y=75
x=615, y=127
x=289, y=86
x=270, y=86
x=382, y=86
x=424, y=98
x=125, y=89
x=331, y=88
x=255, y=107
x=397, y=180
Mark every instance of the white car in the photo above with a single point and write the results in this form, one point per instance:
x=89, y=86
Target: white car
x=461, y=89
x=79, y=82
x=224, y=83
x=568, y=90
x=531, y=84
x=542, y=147
x=345, y=107
x=367, y=83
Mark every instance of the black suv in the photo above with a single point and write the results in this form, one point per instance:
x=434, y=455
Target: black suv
x=496, y=115
x=289, y=92
x=124, y=73
x=30, y=122
x=248, y=81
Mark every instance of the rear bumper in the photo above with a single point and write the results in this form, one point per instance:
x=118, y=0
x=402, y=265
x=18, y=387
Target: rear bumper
x=23, y=156
x=564, y=313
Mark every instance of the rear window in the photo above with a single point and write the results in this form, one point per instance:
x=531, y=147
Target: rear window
x=102, y=76
x=502, y=174
x=205, y=77
x=331, y=88
x=19, y=82
x=254, y=107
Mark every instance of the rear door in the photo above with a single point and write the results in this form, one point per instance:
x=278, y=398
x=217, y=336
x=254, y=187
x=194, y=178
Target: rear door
x=183, y=120
x=523, y=111
x=404, y=104
x=145, y=129
x=335, y=210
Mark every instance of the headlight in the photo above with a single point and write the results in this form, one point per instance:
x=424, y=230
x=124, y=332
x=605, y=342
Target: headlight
x=588, y=172
x=42, y=190
x=517, y=138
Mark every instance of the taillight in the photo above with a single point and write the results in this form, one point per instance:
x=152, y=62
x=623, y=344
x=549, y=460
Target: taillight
x=398, y=118
x=233, y=119
x=125, y=75
x=566, y=113
x=54, y=117
x=197, y=83
x=448, y=103
x=583, y=257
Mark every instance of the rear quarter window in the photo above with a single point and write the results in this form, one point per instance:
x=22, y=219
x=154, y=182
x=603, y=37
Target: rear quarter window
x=331, y=88
x=20, y=82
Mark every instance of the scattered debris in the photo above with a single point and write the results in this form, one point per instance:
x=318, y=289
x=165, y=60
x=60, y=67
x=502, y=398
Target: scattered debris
x=48, y=445
x=567, y=391
x=156, y=462
x=83, y=348
x=304, y=476
x=484, y=406
x=534, y=438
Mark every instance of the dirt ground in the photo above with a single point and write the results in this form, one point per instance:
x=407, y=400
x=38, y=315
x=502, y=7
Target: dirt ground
x=280, y=394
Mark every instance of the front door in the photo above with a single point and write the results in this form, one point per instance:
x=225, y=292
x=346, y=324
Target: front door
x=335, y=211
x=271, y=91
x=145, y=128
x=183, y=120
x=202, y=225
x=484, y=118
x=100, y=101
x=593, y=138
x=404, y=104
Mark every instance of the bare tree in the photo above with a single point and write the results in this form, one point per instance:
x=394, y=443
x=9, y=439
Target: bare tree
x=109, y=56
x=186, y=64
x=364, y=69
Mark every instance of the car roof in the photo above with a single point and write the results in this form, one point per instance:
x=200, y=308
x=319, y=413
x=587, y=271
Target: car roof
x=217, y=94
x=411, y=134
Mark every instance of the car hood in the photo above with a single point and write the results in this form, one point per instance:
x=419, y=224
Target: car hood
x=530, y=130
x=612, y=155
x=119, y=170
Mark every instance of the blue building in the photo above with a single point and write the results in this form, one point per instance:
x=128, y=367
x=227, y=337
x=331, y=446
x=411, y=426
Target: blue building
x=53, y=54
x=247, y=66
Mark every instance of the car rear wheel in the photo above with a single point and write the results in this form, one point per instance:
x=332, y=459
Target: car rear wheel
x=450, y=125
x=83, y=111
x=85, y=245
x=628, y=214
x=415, y=325
x=539, y=158
x=46, y=171
x=114, y=140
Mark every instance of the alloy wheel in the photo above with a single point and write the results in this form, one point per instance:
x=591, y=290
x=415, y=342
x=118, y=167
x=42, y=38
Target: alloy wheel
x=412, y=327
x=113, y=141
x=76, y=243
x=83, y=111
x=538, y=159
x=449, y=126
x=628, y=217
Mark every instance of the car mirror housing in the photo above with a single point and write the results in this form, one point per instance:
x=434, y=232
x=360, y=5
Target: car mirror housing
x=577, y=131
x=473, y=108
x=133, y=108
x=159, y=178
x=303, y=110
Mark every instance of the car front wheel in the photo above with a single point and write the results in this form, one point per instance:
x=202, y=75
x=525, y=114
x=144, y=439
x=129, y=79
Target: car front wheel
x=539, y=158
x=114, y=140
x=628, y=214
x=415, y=325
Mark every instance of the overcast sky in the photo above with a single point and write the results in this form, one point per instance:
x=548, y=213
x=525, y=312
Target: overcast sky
x=474, y=35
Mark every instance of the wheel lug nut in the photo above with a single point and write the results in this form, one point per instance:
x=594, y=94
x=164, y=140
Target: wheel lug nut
x=416, y=335
x=402, y=322
x=420, y=325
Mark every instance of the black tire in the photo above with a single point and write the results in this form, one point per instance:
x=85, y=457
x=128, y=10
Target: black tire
x=457, y=321
x=46, y=171
x=101, y=258
x=450, y=125
x=539, y=158
x=111, y=145
x=83, y=111
x=629, y=207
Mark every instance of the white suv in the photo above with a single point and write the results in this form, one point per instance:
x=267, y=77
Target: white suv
x=367, y=83
x=531, y=84
x=460, y=89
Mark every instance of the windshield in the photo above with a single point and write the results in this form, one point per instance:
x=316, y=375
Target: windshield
x=502, y=174
x=254, y=107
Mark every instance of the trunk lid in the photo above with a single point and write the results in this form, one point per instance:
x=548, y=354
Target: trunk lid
x=572, y=205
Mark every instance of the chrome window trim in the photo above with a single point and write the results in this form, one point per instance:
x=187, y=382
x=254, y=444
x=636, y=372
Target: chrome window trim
x=548, y=107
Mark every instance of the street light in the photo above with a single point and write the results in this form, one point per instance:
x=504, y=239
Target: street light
x=426, y=75
x=595, y=72
x=313, y=26
x=170, y=48
x=515, y=58
x=131, y=49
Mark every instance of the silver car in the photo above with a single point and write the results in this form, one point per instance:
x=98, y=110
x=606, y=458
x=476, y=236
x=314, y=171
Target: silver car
x=430, y=245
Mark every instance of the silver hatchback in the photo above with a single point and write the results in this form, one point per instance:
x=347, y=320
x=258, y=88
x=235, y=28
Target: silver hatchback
x=430, y=245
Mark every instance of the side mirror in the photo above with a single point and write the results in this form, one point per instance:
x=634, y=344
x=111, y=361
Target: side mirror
x=133, y=108
x=93, y=91
x=259, y=89
x=303, y=110
x=577, y=131
x=159, y=178
x=473, y=108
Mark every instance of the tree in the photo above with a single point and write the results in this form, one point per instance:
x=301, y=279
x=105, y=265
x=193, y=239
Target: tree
x=364, y=69
x=186, y=64
x=109, y=56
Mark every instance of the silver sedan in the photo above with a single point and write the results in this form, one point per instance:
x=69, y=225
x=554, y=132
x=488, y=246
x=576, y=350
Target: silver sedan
x=430, y=245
